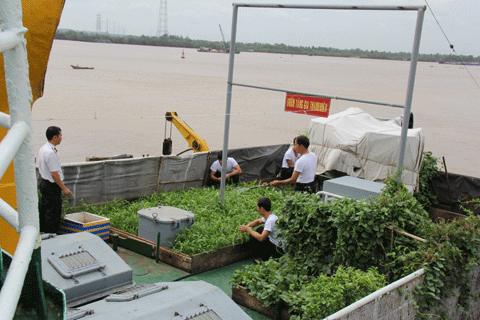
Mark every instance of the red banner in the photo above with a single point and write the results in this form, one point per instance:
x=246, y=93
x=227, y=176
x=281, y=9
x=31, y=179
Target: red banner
x=314, y=106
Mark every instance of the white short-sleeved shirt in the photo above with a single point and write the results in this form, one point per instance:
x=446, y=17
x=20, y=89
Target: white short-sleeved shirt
x=270, y=226
x=48, y=162
x=306, y=165
x=231, y=163
x=290, y=155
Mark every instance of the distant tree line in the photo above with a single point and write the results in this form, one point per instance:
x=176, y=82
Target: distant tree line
x=186, y=42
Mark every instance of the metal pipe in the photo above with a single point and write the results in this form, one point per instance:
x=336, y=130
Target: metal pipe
x=11, y=143
x=5, y=120
x=328, y=194
x=11, y=38
x=9, y=214
x=12, y=287
x=333, y=7
x=411, y=83
x=229, y=102
x=376, y=295
x=321, y=95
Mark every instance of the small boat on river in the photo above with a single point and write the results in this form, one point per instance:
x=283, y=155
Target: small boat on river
x=78, y=67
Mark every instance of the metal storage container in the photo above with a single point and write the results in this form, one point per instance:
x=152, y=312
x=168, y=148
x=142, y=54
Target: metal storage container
x=164, y=219
x=164, y=301
x=84, y=267
x=352, y=187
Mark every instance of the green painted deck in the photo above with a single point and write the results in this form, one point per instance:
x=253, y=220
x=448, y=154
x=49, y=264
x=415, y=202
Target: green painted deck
x=146, y=270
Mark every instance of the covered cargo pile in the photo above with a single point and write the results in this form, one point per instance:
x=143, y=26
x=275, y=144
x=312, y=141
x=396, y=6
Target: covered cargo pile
x=361, y=146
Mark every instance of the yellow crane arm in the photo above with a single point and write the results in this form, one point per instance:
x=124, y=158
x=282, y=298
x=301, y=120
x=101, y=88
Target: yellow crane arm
x=193, y=139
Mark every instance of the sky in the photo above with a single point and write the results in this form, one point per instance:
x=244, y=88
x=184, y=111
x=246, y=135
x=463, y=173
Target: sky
x=391, y=31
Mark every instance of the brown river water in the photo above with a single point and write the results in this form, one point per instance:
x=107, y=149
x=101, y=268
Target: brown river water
x=119, y=106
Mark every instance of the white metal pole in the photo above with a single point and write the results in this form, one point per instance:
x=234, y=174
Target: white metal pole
x=411, y=83
x=229, y=101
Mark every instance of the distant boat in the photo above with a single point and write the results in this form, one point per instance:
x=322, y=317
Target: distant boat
x=78, y=67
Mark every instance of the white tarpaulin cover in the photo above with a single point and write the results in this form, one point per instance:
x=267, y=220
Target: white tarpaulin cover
x=354, y=142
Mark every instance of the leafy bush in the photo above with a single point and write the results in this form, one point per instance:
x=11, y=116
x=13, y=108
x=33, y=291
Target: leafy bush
x=287, y=281
x=355, y=234
x=428, y=171
x=325, y=295
x=307, y=230
x=270, y=280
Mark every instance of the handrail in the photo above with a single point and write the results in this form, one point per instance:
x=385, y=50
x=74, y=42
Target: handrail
x=11, y=143
x=9, y=214
x=11, y=39
x=5, y=120
x=11, y=289
x=17, y=145
x=328, y=194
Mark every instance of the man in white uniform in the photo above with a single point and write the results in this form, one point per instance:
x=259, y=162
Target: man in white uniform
x=304, y=171
x=288, y=163
x=51, y=182
x=233, y=171
x=265, y=241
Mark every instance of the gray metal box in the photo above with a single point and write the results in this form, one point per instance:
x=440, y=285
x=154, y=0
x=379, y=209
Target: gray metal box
x=164, y=219
x=352, y=187
x=84, y=267
x=164, y=301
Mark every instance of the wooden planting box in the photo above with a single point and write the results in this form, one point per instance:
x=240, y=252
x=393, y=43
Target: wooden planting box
x=192, y=264
x=241, y=296
x=437, y=213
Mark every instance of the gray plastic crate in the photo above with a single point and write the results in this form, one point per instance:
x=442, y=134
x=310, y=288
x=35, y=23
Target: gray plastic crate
x=352, y=187
x=164, y=219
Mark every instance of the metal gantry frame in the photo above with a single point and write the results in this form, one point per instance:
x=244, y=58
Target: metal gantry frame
x=411, y=79
x=18, y=146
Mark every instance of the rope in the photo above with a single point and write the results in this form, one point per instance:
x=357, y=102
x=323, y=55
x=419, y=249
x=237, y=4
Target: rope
x=451, y=45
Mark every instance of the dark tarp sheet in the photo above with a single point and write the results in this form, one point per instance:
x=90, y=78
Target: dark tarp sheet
x=182, y=172
x=256, y=162
x=103, y=181
x=455, y=191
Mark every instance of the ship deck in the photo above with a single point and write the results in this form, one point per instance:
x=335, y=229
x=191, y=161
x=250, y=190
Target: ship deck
x=146, y=270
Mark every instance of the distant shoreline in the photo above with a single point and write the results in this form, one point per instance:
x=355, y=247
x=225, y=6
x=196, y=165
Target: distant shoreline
x=179, y=41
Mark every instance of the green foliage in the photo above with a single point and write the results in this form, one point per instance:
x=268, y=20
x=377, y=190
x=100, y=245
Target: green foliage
x=325, y=295
x=270, y=280
x=216, y=223
x=306, y=228
x=428, y=171
x=449, y=255
x=287, y=281
x=363, y=239
x=349, y=233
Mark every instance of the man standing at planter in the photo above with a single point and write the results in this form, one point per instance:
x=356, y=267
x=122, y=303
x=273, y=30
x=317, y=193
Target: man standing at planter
x=304, y=171
x=265, y=242
x=51, y=182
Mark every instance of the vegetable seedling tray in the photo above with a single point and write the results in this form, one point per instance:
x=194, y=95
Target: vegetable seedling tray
x=192, y=264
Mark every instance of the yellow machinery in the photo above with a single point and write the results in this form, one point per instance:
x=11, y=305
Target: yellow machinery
x=193, y=139
x=41, y=18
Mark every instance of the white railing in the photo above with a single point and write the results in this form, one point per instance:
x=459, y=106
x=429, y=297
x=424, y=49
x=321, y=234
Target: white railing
x=17, y=146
